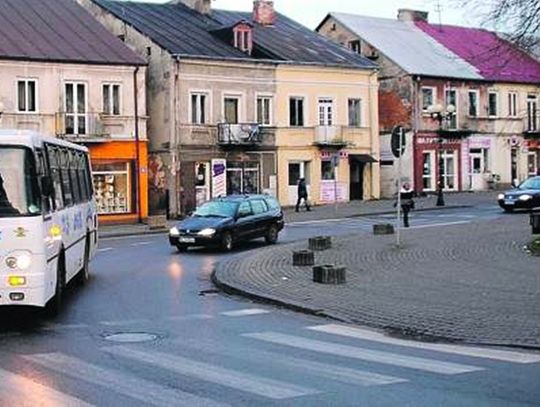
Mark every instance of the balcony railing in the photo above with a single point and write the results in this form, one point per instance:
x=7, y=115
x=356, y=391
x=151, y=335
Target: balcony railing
x=329, y=136
x=239, y=134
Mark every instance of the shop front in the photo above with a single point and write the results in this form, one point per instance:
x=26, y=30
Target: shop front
x=120, y=196
x=533, y=157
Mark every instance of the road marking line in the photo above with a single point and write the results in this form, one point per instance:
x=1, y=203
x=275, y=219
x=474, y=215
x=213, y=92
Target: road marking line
x=303, y=366
x=395, y=359
x=211, y=373
x=191, y=317
x=105, y=249
x=432, y=225
x=124, y=322
x=140, y=244
x=245, y=312
x=496, y=354
x=17, y=390
x=119, y=382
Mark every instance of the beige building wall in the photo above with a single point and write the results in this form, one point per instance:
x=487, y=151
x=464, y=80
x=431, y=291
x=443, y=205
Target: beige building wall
x=307, y=144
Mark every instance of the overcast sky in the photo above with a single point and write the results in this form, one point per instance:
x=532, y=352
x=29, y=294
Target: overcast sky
x=311, y=12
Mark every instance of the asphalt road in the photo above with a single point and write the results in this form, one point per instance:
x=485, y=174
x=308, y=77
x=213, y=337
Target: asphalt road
x=202, y=348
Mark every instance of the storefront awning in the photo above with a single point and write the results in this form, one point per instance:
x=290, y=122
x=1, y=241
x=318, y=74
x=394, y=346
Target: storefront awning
x=362, y=158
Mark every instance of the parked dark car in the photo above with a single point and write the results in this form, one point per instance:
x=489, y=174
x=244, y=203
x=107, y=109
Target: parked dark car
x=223, y=222
x=525, y=196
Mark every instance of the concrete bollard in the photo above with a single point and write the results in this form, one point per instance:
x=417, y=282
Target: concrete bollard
x=383, y=229
x=329, y=274
x=319, y=243
x=303, y=258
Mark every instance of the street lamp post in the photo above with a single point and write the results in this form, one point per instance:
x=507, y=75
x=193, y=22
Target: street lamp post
x=441, y=114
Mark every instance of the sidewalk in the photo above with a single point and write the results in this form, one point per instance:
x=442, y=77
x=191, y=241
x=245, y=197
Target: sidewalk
x=472, y=283
x=342, y=210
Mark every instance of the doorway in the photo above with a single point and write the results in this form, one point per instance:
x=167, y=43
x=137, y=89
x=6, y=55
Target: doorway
x=356, y=191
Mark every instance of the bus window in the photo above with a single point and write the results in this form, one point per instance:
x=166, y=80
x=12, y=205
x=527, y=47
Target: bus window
x=82, y=178
x=66, y=183
x=54, y=165
x=73, y=169
x=89, y=180
x=41, y=165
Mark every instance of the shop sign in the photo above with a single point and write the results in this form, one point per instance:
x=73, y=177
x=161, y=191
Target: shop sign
x=219, y=177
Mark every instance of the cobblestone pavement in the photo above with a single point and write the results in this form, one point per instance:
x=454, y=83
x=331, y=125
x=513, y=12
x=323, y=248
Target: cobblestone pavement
x=471, y=283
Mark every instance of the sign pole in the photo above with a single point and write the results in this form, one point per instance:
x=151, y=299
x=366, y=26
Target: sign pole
x=336, y=163
x=399, y=184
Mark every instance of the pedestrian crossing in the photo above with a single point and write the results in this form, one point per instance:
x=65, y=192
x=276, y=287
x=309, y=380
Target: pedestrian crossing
x=262, y=365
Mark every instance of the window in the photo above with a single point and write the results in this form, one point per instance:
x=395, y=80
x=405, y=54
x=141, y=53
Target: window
x=512, y=104
x=532, y=113
x=451, y=99
x=75, y=107
x=113, y=186
x=55, y=165
x=493, y=104
x=449, y=173
x=298, y=170
x=427, y=171
x=356, y=46
x=428, y=97
x=244, y=209
x=258, y=207
x=327, y=170
x=326, y=112
x=26, y=96
x=242, y=39
x=532, y=163
x=296, y=111
x=264, y=110
x=230, y=107
x=355, y=112
x=67, y=189
x=473, y=103
x=111, y=99
x=198, y=108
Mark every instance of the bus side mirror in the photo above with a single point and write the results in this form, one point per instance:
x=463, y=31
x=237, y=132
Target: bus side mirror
x=47, y=185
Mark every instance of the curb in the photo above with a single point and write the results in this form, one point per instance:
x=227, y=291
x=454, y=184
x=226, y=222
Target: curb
x=114, y=234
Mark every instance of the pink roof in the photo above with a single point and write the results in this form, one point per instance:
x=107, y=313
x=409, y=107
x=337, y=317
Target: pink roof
x=496, y=59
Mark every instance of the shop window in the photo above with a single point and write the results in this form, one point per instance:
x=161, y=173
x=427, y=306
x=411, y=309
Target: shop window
x=327, y=171
x=243, y=178
x=427, y=171
x=112, y=182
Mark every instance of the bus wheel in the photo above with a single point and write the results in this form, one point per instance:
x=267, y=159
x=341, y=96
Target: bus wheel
x=54, y=305
x=84, y=273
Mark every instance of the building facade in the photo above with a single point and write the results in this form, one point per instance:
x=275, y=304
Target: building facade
x=490, y=139
x=239, y=112
x=92, y=96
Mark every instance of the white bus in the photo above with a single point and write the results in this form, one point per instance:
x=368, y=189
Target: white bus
x=48, y=218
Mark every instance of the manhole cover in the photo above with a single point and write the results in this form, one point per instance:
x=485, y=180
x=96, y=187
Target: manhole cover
x=131, y=337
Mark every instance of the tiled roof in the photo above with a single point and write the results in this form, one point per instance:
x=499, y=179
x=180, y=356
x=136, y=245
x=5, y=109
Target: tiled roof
x=185, y=32
x=408, y=47
x=60, y=31
x=495, y=58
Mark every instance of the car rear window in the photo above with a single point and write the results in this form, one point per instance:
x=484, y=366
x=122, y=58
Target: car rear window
x=272, y=203
x=258, y=206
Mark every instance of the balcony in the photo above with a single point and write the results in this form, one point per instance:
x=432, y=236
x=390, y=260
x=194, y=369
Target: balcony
x=243, y=134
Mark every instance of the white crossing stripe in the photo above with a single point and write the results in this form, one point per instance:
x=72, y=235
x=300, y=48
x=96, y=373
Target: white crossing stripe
x=395, y=359
x=303, y=366
x=17, y=390
x=496, y=354
x=122, y=383
x=211, y=373
x=245, y=312
x=141, y=243
x=434, y=225
x=105, y=249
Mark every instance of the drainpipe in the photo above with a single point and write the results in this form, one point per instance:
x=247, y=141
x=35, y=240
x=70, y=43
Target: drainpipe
x=137, y=152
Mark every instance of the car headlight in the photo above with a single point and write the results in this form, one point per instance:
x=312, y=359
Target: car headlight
x=174, y=231
x=525, y=197
x=19, y=260
x=500, y=196
x=207, y=232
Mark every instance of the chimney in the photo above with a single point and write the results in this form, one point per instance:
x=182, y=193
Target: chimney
x=412, y=15
x=264, y=12
x=201, y=6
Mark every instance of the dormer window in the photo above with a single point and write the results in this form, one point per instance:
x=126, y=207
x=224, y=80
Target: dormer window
x=243, y=37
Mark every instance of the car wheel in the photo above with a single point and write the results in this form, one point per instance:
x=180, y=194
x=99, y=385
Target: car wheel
x=53, y=307
x=227, y=242
x=271, y=236
x=507, y=209
x=181, y=248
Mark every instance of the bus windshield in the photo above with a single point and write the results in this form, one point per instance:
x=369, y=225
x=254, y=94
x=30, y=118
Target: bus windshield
x=19, y=192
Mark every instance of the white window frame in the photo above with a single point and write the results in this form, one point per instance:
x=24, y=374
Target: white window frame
x=233, y=95
x=532, y=98
x=475, y=92
x=456, y=106
x=327, y=102
x=534, y=155
x=433, y=99
x=244, y=36
x=270, y=97
x=446, y=153
x=207, y=107
x=497, y=104
x=75, y=113
x=355, y=46
x=26, y=88
x=513, y=103
x=305, y=110
x=432, y=174
x=111, y=102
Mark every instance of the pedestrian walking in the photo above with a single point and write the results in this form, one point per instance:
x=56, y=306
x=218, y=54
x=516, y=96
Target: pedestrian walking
x=407, y=202
x=302, y=194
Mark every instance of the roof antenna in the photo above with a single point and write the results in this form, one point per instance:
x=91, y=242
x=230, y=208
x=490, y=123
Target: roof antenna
x=438, y=10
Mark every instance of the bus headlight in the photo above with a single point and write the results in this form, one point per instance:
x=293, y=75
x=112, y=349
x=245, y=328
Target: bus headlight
x=19, y=260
